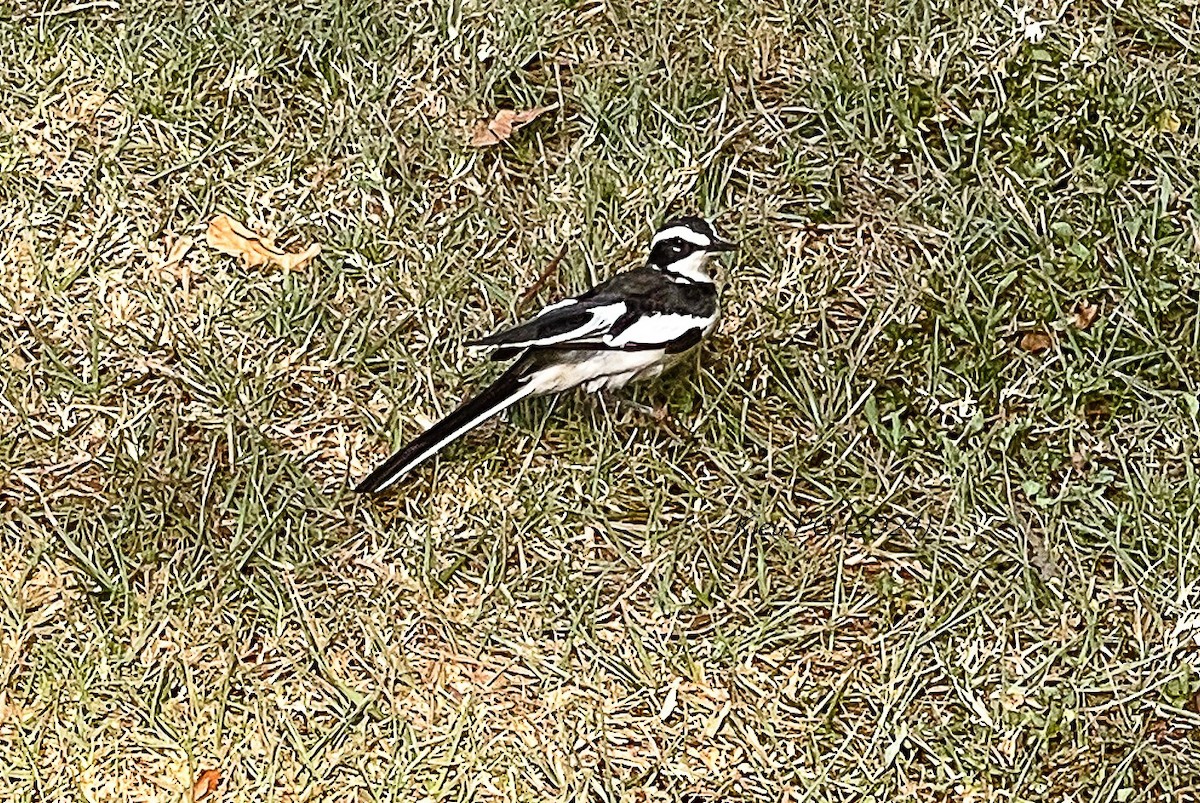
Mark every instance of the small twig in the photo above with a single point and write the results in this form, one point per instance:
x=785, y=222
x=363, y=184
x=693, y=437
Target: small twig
x=543, y=278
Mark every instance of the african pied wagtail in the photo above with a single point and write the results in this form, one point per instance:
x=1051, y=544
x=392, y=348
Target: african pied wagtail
x=630, y=327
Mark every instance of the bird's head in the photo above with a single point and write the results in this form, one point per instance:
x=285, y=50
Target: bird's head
x=684, y=246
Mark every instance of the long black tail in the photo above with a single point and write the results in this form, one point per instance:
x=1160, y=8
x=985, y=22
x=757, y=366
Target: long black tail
x=508, y=389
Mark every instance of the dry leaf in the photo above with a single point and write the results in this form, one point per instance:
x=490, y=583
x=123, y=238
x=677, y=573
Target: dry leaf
x=713, y=723
x=205, y=785
x=1085, y=314
x=502, y=126
x=1168, y=122
x=230, y=237
x=173, y=266
x=1035, y=342
x=178, y=251
x=668, y=705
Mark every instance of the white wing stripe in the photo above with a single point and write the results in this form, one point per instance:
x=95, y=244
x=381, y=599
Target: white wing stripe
x=657, y=330
x=602, y=318
x=566, y=302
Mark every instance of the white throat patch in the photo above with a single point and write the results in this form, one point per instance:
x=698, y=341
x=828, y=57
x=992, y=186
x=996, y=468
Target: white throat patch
x=693, y=267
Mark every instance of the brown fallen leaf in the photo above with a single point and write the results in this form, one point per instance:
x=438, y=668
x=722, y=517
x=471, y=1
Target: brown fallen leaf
x=1085, y=314
x=179, y=250
x=1168, y=121
x=1035, y=341
x=501, y=127
x=173, y=266
x=230, y=237
x=205, y=784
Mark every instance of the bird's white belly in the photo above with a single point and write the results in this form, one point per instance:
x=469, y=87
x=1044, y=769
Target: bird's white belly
x=599, y=370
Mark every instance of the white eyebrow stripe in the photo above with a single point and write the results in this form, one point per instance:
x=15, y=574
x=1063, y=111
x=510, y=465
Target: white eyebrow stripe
x=683, y=233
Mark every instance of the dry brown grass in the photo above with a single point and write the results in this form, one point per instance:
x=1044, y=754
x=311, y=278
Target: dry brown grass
x=877, y=551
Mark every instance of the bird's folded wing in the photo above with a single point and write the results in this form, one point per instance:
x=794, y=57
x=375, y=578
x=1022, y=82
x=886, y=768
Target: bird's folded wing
x=651, y=330
x=560, y=324
x=638, y=309
x=620, y=326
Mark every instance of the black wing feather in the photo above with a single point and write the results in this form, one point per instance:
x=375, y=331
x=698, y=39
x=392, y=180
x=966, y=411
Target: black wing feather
x=642, y=291
x=551, y=323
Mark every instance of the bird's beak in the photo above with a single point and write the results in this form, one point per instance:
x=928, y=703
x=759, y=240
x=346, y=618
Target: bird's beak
x=722, y=245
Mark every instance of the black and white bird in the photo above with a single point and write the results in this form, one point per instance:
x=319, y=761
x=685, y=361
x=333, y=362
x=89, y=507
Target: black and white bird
x=628, y=328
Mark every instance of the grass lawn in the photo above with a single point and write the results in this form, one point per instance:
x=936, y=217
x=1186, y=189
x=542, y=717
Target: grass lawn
x=918, y=528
